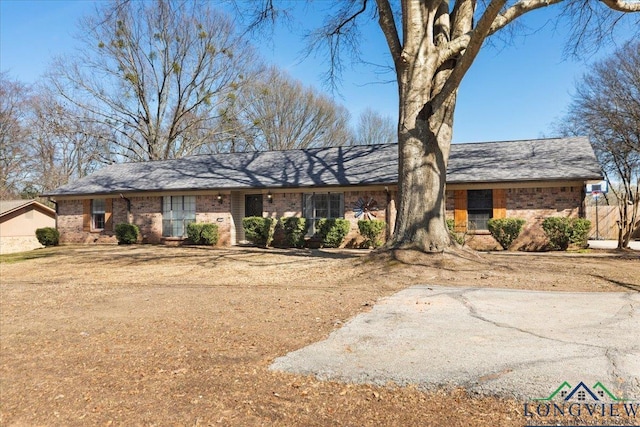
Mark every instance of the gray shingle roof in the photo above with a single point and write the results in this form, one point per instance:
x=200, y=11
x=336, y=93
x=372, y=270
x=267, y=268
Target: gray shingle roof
x=528, y=160
x=549, y=159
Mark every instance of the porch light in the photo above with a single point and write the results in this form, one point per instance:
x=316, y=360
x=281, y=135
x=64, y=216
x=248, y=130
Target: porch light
x=219, y=198
x=270, y=197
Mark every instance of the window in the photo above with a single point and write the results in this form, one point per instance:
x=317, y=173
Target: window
x=177, y=212
x=317, y=206
x=480, y=208
x=97, y=215
x=98, y=211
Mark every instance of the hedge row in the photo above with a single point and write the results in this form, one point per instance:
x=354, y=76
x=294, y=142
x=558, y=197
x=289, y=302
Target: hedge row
x=561, y=231
x=330, y=231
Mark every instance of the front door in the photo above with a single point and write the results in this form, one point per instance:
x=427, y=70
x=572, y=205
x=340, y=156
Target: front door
x=253, y=205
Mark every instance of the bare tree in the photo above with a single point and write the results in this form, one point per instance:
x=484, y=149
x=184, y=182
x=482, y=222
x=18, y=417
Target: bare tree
x=432, y=44
x=373, y=128
x=155, y=74
x=277, y=112
x=61, y=146
x=13, y=132
x=606, y=106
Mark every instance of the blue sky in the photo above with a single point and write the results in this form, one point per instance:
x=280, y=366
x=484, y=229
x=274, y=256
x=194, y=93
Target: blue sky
x=511, y=92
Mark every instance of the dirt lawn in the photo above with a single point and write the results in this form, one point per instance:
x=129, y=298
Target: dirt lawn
x=150, y=335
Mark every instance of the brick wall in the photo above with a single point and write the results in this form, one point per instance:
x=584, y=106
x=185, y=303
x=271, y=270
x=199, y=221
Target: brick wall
x=70, y=225
x=283, y=205
x=290, y=204
x=533, y=205
x=146, y=213
x=209, y=209
x=351, y=199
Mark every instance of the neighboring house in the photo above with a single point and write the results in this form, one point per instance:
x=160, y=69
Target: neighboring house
x=527, y=179
x=19, y=220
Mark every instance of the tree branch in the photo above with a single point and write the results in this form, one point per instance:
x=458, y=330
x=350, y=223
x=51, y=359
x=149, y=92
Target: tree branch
x=477, y=37
x=623, y=6
x=388, y=26
x=518, y=10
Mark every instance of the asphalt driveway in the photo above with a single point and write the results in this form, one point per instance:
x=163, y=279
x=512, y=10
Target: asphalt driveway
x=510, y=343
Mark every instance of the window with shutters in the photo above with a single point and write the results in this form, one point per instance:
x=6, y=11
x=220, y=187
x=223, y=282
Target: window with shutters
x=479, y=208
x=322, y=205
x=177, y=213
x=98, y=214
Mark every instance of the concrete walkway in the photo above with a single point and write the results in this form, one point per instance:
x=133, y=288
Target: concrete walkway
x=612, y=244
x=511, y=343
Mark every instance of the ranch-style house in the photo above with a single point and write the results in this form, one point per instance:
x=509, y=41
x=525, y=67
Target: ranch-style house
x=529, y=179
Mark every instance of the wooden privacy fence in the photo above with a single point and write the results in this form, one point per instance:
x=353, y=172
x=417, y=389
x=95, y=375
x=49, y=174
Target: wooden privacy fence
x=607, y=225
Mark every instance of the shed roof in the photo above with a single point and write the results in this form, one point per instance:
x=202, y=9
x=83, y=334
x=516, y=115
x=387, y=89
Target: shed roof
x=9, y=206
x=508, y=161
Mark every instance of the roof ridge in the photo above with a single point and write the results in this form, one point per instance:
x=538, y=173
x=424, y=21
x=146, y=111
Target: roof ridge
x=559, y=138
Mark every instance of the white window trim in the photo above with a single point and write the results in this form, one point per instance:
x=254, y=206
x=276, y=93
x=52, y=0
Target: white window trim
x=309, y=209
x=95, y=212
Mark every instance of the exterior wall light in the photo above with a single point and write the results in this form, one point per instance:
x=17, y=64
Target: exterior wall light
x=219, y=198
x=270, y=197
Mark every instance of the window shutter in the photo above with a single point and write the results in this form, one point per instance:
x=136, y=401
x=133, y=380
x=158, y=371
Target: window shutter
x=86, y=215
x=108, y=210
x=499, y=203
x=460, y=210
x=307, y=206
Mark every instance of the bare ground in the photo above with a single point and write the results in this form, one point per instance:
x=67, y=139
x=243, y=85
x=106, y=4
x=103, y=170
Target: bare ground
x=149, y=335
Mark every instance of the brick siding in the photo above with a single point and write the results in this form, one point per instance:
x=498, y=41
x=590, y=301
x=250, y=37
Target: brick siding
x=533, y=205
x=209, y=209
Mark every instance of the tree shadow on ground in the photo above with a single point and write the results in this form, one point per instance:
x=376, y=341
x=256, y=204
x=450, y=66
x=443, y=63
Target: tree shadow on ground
x=131, y=255
x=457, y=259
x=629, y=286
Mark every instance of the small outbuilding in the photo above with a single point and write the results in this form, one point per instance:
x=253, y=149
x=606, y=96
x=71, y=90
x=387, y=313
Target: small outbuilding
x=19, y=220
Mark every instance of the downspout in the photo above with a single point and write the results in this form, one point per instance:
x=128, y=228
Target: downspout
x=56, y=205
x=128, y=207
x=387, y=214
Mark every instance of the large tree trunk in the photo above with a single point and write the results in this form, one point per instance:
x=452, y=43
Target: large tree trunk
x=423, y=151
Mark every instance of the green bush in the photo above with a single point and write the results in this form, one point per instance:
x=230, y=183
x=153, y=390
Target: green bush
x=332, y=231
x=505, y=230
x=127, y=234
x=458, y=237
x=202, y=233
x=563, y=231
x=48, y=236
x=259, y=230
x=294, y=230
x=371, y=231
x=580, y=232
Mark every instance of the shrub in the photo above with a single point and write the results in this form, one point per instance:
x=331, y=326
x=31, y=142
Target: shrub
x=259, y=230
x=294, y=230
x=458, y=237
x=126, y=233
x=332, y=231
x=562, y=231
x=558, y=232
x=580, y=231
x=505, y=230
x=371, y=231
x=202, y=233
x=48, y=236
